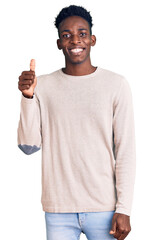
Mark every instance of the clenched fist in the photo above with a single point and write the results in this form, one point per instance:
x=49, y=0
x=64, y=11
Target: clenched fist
x=27, y=81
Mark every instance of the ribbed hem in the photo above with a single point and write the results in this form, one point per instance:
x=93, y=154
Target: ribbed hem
x=75, y=210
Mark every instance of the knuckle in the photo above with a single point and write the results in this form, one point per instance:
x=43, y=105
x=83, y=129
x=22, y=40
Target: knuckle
x=127, y=230
x=121, y=229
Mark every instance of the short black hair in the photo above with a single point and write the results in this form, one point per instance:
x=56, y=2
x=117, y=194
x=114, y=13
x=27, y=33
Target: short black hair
x=73, y=10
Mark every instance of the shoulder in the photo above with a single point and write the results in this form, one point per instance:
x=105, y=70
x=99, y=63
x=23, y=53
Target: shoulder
x=112, y=77
x=44, y=79
x=51, y=75
x=116, y=83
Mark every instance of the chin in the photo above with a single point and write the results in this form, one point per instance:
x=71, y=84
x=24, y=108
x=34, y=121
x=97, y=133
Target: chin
x=76, y=61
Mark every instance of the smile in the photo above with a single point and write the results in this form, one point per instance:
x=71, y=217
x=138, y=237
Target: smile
x=76, y=51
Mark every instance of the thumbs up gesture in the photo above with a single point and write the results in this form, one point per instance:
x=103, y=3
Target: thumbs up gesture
x=27, y=81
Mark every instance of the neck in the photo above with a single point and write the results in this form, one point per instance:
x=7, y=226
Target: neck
x=79, y=69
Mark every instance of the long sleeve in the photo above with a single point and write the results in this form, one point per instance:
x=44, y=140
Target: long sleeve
x=125, y=150
x=29, y=126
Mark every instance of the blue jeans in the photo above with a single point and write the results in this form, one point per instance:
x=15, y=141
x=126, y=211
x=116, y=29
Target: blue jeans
x=68, y=226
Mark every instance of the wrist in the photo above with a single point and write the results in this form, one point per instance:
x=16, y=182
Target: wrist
x=26, y=96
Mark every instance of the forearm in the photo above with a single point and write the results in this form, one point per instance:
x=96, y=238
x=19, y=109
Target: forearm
x=29, y=126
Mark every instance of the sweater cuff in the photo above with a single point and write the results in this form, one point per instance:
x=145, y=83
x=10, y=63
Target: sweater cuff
x=123, y=211
x=27, y=100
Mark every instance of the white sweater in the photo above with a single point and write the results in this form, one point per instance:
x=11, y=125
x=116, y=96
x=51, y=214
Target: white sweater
x=84, y=126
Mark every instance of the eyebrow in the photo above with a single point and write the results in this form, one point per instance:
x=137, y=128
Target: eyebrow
x=80, y=29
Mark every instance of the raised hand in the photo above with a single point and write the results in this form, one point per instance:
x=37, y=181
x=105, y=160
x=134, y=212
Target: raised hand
x=27, y=81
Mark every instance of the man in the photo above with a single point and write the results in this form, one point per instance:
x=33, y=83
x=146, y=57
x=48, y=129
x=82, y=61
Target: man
x=82, y=118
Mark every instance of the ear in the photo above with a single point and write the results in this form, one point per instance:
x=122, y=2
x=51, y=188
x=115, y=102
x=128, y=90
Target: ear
x=93, y=40
x=59, y=44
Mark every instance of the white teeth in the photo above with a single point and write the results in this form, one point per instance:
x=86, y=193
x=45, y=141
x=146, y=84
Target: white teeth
x=77, y=50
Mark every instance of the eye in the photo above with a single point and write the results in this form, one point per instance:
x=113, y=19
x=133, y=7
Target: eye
x=83, y=34
x=67, y=35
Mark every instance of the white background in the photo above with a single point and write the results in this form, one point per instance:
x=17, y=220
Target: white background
x=124, y=45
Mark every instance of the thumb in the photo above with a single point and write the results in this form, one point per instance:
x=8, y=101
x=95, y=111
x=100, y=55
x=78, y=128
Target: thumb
x=113, y=229
x=32, y=64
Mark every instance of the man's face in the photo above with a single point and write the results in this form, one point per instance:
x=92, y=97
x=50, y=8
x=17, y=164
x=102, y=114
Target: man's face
x=75, y=39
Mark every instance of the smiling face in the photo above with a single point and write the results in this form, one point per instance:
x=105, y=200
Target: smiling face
x=75, y=40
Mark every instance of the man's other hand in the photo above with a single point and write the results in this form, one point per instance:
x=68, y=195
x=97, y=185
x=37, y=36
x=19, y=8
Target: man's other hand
x=120, y=226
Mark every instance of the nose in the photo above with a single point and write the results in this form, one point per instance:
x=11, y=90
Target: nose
x=75, y=39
